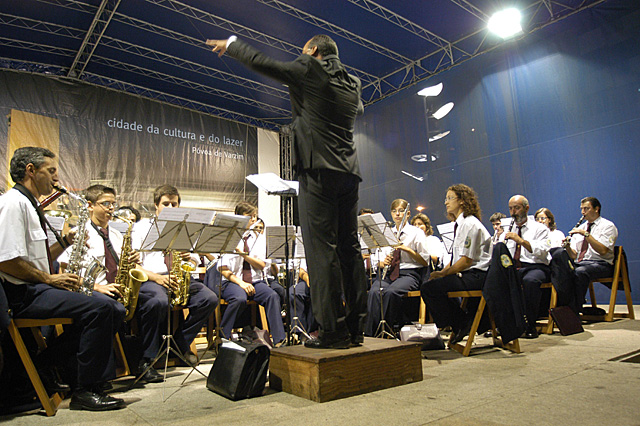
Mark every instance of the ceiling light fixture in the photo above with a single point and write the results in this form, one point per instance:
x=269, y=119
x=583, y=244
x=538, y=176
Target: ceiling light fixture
x=506, y=23
x=431, y=91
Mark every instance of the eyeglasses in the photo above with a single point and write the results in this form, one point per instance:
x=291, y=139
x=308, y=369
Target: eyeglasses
x=398, y=211
x=109, y=204
x=450, y=199
x=541, y=219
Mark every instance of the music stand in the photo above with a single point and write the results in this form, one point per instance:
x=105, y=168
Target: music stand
x=172, y=235
x=446, y=234
x=376, y=234
x=278, y=241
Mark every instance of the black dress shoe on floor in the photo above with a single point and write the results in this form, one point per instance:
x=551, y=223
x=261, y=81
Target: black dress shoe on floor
x=51, y=381
x=531, y=333
x=357, y=339
x=94, y=401
x=458, y=334
x=151, y=376
x=329, y=343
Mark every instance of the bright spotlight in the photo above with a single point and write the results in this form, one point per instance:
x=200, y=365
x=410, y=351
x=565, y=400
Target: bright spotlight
x=439, y=136
x=431, y=91
x=443, y=110
x=505, y=23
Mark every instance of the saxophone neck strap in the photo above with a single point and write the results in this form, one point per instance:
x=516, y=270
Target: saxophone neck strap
x=107, y=241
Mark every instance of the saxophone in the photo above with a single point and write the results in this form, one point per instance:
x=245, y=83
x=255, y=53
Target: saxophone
x=181, y=271
x=129, y=279
x=87, y=269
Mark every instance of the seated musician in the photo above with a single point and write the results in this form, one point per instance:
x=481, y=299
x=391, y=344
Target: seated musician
x=370, y=256
x=544, y=216
x=467, y=269
x=528, y=242
x=153, y=300
x=405, y=267
x=435, y=247
x=243, y=279
x=496, y=222
x=34, y=292
x=592, y=246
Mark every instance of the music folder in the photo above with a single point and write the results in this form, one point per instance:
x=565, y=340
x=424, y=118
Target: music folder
x=273, y=184
x=376, y=232
x=224, y=235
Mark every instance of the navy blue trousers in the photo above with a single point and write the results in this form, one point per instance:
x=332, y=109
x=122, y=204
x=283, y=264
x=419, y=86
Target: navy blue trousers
x=237, y=298
x=589, y=270
x=152, y=310
x=533, y=275
x=96, y=320
x=392, y=294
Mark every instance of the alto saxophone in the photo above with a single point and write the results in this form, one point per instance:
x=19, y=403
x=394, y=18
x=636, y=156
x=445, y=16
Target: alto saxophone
x=181, y=271
x=129, y=279
x=87, y=269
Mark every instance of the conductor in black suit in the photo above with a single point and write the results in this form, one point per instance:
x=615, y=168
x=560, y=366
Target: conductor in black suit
x=325, y=100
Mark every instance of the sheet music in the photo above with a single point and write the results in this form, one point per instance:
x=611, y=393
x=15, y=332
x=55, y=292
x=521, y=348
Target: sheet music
x=276, y=241
x=219, y=239
x=190, y=215
x=299, y=252
x=272, y=184
x=505, y=222
x=229, y=220
x=119, y=226
x=446, y=233
x=375, y=231
x=189, y=223
x=57, y=223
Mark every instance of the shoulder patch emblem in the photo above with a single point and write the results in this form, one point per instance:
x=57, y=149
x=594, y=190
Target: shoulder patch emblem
x=505, y=260
x=612, y=240
x=467, y=242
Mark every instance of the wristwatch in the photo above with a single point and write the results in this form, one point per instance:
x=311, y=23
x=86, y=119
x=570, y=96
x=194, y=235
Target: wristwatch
x=587, y=234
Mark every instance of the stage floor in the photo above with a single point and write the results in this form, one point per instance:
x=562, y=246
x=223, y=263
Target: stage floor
x=556, y=380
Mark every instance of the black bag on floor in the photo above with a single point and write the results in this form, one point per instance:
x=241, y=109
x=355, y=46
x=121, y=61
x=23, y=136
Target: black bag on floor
x=240, y=370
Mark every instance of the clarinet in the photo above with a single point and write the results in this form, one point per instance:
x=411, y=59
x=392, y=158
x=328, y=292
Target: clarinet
x=402, y=223
x=567, y=240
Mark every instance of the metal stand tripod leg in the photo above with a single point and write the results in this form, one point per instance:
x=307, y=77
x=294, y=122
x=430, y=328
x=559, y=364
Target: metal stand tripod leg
x=384, y=330
x=296, y=324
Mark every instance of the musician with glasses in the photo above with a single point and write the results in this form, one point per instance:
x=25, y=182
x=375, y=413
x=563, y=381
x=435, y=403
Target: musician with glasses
x=468, y=266
x=34, y=292
x=404, y=266
x=591, y=246
x=544, y=216
x=529, y=244
x=153, y=299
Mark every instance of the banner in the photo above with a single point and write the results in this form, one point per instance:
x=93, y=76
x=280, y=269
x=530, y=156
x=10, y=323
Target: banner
x=128, y=143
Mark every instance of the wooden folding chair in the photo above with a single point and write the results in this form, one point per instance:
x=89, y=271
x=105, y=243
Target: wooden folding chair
x=548, y=326
x=422, y=313
x=620, y=273
x=49, y=403
x=465, y=350
x=253, y=304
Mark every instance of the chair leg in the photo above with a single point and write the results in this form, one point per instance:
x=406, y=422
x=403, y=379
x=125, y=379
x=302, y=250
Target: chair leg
x=592, y=295
x=122, y=368
x=612, y=300
x=552, y=304
x=466, y=349
x=263, y=318
x=627, y=292
x=50, y=404
x=422, y=316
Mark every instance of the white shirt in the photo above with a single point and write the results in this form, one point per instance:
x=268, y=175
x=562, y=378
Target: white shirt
x=21, y=234
x=555, y=238
x=151, y=260
x=96, y=249
x=605, y=232
x=257, y=248
x=415, y=239
x=537, y=234
x=473, y=241
x=436, y=247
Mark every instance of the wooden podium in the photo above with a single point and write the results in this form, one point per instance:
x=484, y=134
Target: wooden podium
x=327, y=374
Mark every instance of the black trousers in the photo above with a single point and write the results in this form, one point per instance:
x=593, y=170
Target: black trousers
x=533, y=275
x=328, y=207
x=446, y=311
x=588, y=270
x=96, y=320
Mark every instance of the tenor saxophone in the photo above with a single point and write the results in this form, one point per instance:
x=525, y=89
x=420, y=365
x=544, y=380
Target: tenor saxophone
x=181, y=271
x=129, y=279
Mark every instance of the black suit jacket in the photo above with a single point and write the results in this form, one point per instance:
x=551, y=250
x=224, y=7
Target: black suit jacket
x=503, y=293
x=563, y=278
x=325, y=100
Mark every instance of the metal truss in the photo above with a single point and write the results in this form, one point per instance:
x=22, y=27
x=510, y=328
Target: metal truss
x=92, y=39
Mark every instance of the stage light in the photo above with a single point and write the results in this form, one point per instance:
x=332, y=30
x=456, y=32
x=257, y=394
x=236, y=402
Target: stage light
x=420, y=208
x=431, y=91
x=505, y=23
x=439, y=136
x=418, y=178
x=422, y=158
x=443, y=110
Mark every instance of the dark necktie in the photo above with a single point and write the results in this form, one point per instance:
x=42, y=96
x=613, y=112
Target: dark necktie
x=109, y=260
x=516, y=255
x=395, y=265
x=46, y=242
x=246, y=267
x=585, y=244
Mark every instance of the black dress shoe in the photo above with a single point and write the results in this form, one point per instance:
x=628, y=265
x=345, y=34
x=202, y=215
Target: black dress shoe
x=94, y=401
x=106, y=386
x=151, y=376
x=357, y=339
x=325, y=342
x=51, y=381
x=531, y=333
x=458, y=334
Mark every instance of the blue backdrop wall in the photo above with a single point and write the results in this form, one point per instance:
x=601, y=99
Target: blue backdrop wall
x=554, y=116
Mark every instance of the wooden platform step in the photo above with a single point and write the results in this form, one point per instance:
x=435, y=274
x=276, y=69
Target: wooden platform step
x=327, y=374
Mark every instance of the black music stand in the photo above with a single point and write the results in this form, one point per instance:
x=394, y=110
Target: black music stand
x=278, y=243
x=222, y=237
x=171, y=237
x=376, y=233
